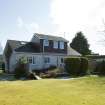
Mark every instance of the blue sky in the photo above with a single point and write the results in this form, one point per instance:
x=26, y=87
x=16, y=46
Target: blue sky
x=19, y=19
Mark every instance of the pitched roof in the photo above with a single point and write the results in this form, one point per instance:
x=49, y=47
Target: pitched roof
x=22, y=46
x=50, y=37
x=16, y=44
x=73, y=52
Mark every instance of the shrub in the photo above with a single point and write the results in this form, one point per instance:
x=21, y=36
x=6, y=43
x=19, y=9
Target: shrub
x=50, y=74
x=52, y=67
x=76, y=65
x=32, y=76
x=100, y=68
x=72, y=65
x=84, y=66
x=3, y=67
x=20, y=70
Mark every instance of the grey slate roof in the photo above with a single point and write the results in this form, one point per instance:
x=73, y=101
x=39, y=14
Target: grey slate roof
x=50, y=37
x=22, y=46
x=15, y=44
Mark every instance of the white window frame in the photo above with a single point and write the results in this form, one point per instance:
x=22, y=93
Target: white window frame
x=31, y=60
x=55, y=44
x=34, y=60
x=46, y=42
x=61, y=45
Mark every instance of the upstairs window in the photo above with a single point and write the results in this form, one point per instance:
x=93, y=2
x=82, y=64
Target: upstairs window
x=46, y=42
x=55, y=44
x=61, y=45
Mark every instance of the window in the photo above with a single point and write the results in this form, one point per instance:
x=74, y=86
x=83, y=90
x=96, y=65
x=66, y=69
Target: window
x=55, y=44
x=31, y=60
x=34, y=60
x=61, y=45
x=47, y=60
x=46, y=42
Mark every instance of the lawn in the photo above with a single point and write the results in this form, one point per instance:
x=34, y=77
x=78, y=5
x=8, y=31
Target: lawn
x=81, y=91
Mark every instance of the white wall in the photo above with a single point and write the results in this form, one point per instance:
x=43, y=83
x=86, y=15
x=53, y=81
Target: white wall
x=40, y=64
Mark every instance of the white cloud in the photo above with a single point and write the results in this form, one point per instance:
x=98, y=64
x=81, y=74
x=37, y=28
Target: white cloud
x=20, y=22
x=32, y=27
x=79, y=15
x=28, y=27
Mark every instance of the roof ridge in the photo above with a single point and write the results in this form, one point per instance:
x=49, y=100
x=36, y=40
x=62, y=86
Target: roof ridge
x=17, y=40
x=48, y=35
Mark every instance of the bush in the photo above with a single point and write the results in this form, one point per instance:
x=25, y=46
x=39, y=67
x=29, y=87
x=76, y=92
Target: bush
x=84, y=66
x=52, y=67
x=32, y=76
x=20, y=70
x=72, y=65
x=50, y=74
x=3, y=67
x=100, y=68
x=76, y=65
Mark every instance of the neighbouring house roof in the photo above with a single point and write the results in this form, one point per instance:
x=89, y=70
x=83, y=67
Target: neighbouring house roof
x=72, y=52
x=95, y=56
x=22, y=46
x=50, y=37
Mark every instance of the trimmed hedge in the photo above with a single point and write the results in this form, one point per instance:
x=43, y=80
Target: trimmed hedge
x=100, y=68
x=84, y=66
x=72, y=65
x=76, y=65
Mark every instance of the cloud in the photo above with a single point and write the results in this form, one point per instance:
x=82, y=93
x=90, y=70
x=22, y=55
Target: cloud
x=32, y=27
x=20, y=22
x=28, y=27
x=72, y=16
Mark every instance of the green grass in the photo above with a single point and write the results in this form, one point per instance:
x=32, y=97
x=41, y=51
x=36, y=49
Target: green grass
x=82, y=91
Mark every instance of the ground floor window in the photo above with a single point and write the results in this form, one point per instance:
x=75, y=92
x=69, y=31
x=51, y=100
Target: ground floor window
x=46, y=60
x=34, y=60
x=31, y=60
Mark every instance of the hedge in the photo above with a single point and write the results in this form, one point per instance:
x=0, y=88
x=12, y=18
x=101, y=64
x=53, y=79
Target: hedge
x=84, y=66
x=100, y=68
x=76, y=65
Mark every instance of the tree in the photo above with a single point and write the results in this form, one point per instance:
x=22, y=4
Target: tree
x=80, y=44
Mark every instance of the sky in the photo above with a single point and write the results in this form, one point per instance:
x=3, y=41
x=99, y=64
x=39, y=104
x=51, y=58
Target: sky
x=19, y=19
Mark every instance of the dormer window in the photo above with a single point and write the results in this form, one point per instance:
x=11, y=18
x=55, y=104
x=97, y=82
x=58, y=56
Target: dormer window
x=55, y=45
x=61, y=45
x=46, y=42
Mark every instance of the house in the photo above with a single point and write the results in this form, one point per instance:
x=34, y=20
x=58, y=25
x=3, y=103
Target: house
x=41, y=52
